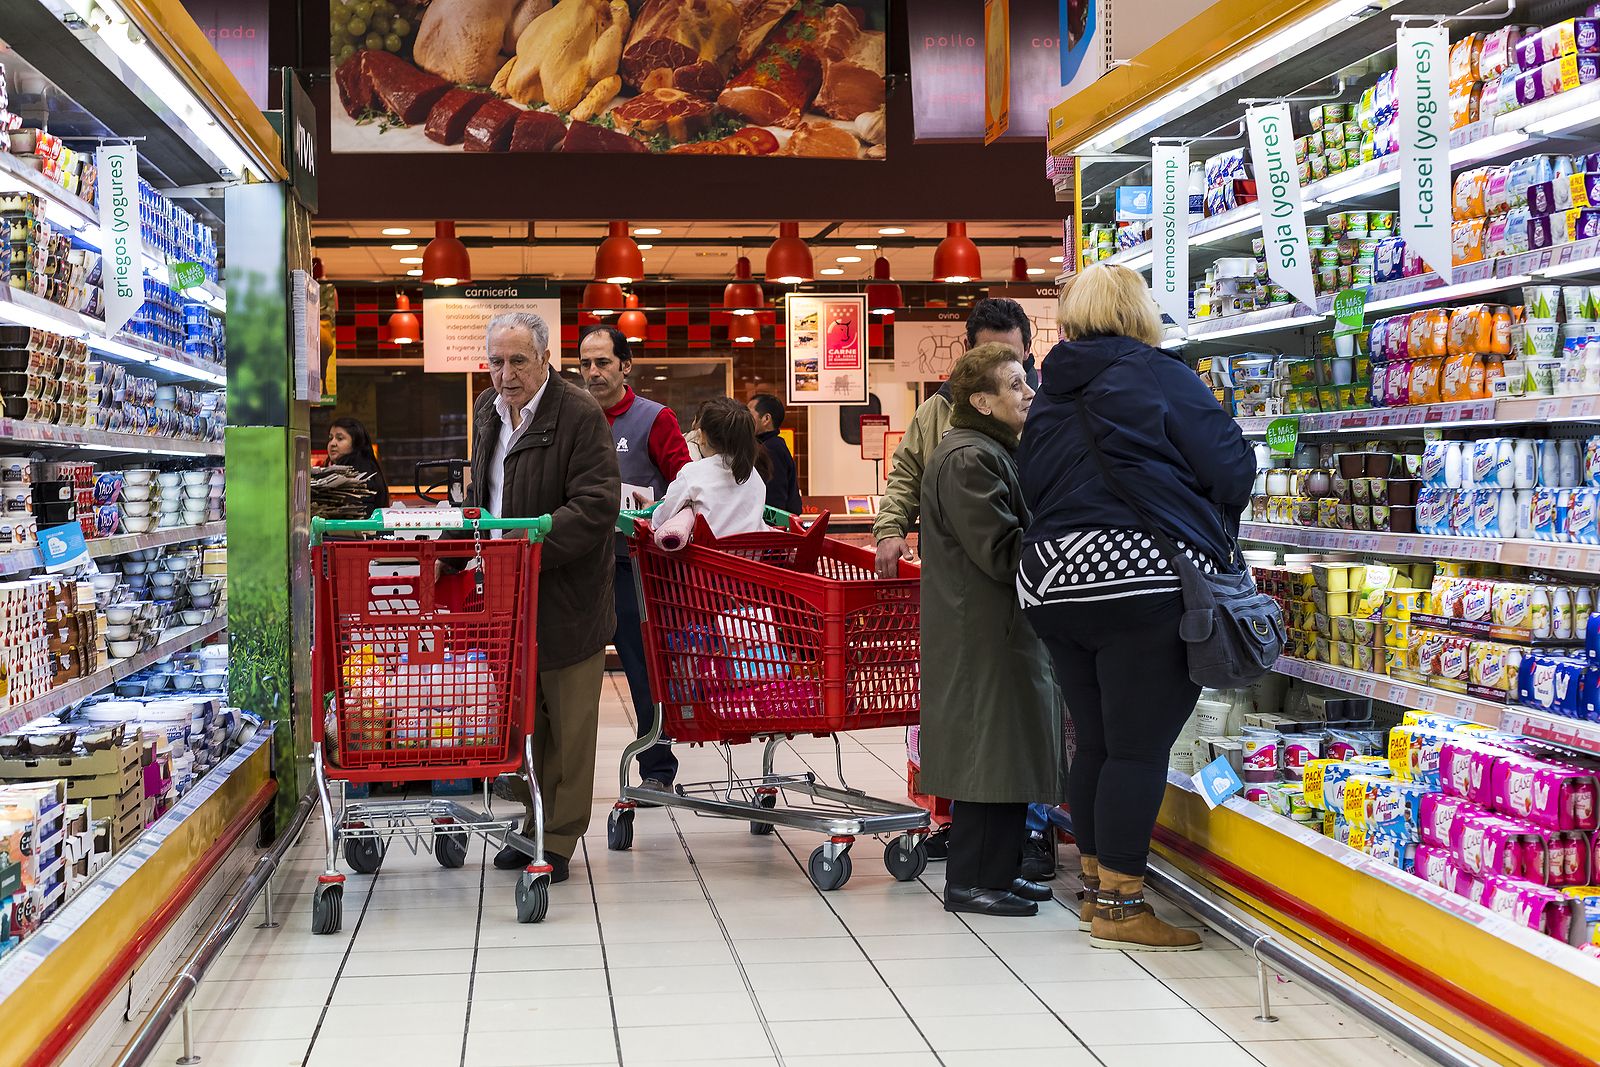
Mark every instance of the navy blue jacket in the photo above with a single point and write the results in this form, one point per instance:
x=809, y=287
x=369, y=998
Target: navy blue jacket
x=783, y=488
x=1162, y=432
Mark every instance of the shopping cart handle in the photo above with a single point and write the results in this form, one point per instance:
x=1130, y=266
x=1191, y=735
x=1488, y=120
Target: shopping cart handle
x=389, y=520
x=628, y=521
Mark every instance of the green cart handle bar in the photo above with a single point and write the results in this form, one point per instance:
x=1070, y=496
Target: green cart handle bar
x=391, y=520
x=626, y=519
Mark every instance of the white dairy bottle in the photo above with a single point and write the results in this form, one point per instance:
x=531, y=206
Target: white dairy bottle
x=1582, y=608
x=1524, y=464
x=1525, y=513
x=1571, y=462
x=1455, y=464
x=1508, y=513
x=1539, y=611
x=1561, y=613
x=1549, y=464
x=1505, y=458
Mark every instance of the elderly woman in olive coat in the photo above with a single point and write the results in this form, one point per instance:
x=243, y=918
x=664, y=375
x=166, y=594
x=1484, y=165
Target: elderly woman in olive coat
x=991, y=716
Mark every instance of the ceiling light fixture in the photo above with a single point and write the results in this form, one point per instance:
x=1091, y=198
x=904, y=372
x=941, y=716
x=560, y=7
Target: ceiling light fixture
x=396, y=231
x=634, y=324
x=883, y=296
x=1037, y=270
x=744, y=329
x=445, y=261
x=643, y=247
x=1019, y=269
x=1057, y=259
x=849, y=259
x=891, y=231
x=404, y=326
x=618, y=260
x=414, y=272
x=408, y=260
x=956, y=259
x=405, y=247
x=832, y=270
x=743, y=295
x=647, y=231
x=602, y=299
x=789, y=260
x=866, y=248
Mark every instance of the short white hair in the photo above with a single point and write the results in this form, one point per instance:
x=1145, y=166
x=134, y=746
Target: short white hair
x=526, y=320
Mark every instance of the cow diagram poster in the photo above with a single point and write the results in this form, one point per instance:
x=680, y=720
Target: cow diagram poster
x=827, y=342
x=926, y=344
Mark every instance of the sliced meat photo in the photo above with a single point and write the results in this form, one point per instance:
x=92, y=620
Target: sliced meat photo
x=490, y=129
x=852, y=67
x=777, y=88
x=700, y=79
x=668, y=34
x=406, y=92
x=355, y=88
x=538, y=131
x=587, y=137
x=447, y=122
x=821, y=140
x=756, y=21
x=750, y=141
x=671, y=111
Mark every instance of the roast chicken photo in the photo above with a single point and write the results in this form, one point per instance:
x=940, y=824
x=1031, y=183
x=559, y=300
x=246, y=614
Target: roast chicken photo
x=709, y=77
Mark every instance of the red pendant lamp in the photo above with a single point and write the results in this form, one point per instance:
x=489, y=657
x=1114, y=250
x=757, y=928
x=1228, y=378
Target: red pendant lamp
x=404, y=327
x=618, y=260
x=744, y=328
x=1019, y=269
x=602, y=298
x=956, y=259
x=743, y=295
x=883, y=296
x=633, y=323
x=445, y=260
x=789, y=260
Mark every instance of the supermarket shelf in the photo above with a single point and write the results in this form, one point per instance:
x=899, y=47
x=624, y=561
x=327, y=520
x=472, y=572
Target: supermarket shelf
x=1382, y=687
x=1573, y=733
x=1540, y=555
x=105, y=547
x=26, y=309
x=1508, y=411
x=61, y=696
x=63, y=208
x=32, y=433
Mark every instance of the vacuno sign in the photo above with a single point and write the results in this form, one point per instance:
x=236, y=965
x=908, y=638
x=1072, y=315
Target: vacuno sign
x=122, y=268
x=1422, y=89
x=1169, y=275
x=1283, y=216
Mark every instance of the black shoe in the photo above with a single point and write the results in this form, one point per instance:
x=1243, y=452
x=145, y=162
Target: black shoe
x=559, y=871
x=1038, y=862
x=501, y=787
x=655, y=784
x=938, y=844
x=511, y=859
x=986, y=901
x=1028, y=890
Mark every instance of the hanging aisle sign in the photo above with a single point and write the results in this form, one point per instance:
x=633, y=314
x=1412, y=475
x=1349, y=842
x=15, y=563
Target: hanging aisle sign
x=122, y=267
x=1422, y=92
x=1169, y=276
x=1283, y=216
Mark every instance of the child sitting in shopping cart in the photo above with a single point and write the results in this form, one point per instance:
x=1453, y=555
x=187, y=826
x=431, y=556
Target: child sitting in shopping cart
x=724, y=487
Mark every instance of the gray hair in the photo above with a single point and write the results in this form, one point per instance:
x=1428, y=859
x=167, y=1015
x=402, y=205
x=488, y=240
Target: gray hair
x=525, y=320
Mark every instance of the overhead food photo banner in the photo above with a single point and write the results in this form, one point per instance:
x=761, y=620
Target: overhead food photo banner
x=950, y=66
x=827, y=342
x=1423, y=97
x=712, y=77
x=122, y=265
x=455, y=338
x=1169, y=274
x=1283, y=215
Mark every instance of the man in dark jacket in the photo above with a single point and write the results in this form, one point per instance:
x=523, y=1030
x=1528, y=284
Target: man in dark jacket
x=783, y=487
x=541, y=446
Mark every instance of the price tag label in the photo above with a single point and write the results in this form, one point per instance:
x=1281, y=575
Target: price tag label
x=1566, y=558
x=1426, y=700
x=1414, y=416
x=1539, y=555
x=1396, y=694
x=1583, y=406
x=1465, y=709
x=1546, y=409
x=1405, y=546
x=1365, y=687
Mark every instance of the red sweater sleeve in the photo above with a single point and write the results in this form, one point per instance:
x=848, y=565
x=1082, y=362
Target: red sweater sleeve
x=668, y=451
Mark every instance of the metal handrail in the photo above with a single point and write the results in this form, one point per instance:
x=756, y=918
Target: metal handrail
x=1267, y=947
x=175, y=998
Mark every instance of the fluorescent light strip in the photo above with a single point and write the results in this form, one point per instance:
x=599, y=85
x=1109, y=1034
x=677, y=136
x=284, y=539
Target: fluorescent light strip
x=1257, y=327
x=1582, y=266
x=1450, y=292
x=1567, y=120
x=1249, y=219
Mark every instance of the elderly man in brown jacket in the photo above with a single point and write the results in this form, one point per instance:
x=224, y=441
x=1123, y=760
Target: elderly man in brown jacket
x=541, y=446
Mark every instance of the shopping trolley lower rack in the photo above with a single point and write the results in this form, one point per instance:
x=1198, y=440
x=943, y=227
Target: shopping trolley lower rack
x=423, y=660
x=772, y=636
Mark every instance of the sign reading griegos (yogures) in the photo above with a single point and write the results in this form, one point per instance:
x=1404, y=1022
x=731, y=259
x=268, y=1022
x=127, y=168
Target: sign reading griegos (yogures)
x=1283, y=216
x=1422, y=83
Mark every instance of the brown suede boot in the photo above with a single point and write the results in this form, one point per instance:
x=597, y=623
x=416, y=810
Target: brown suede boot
x=1123, y=920
x=1091, y=885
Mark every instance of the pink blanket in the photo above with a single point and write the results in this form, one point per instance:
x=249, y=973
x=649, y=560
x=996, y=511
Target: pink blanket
x=673, y=534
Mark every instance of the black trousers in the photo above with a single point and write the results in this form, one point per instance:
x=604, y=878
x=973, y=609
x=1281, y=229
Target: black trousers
x=985, y=844
x=657, y=761
x=1124, y=672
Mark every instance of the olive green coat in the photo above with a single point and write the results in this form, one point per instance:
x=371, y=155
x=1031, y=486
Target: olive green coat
x=991, y=714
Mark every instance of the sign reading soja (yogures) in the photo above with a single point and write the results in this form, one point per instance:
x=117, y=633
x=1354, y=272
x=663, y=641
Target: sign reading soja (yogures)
x=1283, y=216
x=1423, y=94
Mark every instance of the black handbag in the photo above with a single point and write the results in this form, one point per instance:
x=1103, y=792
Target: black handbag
x=1233, y=631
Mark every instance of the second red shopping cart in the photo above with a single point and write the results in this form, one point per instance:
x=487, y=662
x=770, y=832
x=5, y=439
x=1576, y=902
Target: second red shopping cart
x=771, y=636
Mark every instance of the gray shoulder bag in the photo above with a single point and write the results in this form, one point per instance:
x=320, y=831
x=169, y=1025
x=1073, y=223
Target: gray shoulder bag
x=1233, y=631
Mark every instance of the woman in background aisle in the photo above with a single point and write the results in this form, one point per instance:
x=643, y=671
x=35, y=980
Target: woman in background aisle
x=991, y=722
x=349, y=445
x=1096, y=585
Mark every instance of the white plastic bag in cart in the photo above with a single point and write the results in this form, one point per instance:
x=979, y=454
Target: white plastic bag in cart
x=448, y=704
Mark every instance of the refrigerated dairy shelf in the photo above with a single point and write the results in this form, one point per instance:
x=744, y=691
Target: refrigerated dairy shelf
x=1508, y=411
x=20, y=715
x=24, y=561
x=35, y=312
x=33, y=433
x=1510, y=551
x=1393, y=691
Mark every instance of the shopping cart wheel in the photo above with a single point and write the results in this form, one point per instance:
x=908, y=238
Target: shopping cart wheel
x=765, y=800
x=533, y=897
x=327, y=908
x=905, y=863
x=619, y=829
x=828, y=875
x=450, y=849
x=363, y=854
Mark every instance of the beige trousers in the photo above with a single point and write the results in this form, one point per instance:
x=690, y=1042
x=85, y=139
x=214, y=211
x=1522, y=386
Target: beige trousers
x=566, y=724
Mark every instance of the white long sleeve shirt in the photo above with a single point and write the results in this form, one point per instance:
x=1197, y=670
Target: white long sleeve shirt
x=707, y=486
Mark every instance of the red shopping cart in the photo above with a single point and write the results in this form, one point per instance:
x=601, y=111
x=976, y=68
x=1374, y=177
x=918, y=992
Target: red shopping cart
x=776, y=635
x=423, y=662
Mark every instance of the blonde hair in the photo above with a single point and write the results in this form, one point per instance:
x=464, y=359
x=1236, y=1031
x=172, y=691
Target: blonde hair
x=1109, y=300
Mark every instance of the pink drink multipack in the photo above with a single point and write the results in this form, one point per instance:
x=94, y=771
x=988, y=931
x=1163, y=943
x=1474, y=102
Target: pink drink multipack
x=1553, y=796
x=1547, y=911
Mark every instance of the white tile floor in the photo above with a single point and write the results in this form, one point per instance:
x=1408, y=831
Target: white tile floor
x=704, y=944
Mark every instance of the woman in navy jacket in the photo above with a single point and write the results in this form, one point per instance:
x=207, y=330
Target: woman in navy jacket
x=1096, y=587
